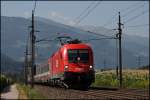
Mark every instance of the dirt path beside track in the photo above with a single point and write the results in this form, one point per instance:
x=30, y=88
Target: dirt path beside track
x=10, y=92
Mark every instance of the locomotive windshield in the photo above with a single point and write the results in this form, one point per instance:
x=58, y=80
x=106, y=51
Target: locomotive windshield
x=75, y=56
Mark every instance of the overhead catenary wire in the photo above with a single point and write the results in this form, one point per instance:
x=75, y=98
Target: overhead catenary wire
x=122, y=10
x=135, y=17
x=89, y=6
x=134, y=26
x=45, y=40
x=110, y=30
x=130, y=7
x=132, y=10
x=97, y=39
x=109, y=21
x=88, y=12
x=102, y=35
x=115, y=14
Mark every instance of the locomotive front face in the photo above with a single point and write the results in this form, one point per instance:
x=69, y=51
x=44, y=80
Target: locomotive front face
x=78, y=65
x=79, y=60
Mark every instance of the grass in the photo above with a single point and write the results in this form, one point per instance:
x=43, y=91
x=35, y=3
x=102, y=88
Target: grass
x=29, y=93
x=21, y=94
x=131, y=79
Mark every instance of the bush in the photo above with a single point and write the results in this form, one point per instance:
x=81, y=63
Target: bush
x=4, y=82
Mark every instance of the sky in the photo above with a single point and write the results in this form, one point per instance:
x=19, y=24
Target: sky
x=134, y=14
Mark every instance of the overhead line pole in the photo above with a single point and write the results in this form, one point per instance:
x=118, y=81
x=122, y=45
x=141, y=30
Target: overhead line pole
x=120, y=51
x=26, y=65
x=32, y=35
x=117, y=57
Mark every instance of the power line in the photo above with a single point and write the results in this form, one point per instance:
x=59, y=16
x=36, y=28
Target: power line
x=129, y=7
x=85, y=10
x=114, y=17
x=132, y=10
x=141, y=25
x=109, y=21
x=100, y=39
x=110, y=30
x=89, y=2
x=99, y=33
x=102, y=35
x=89, y=11
x=134, y=17
x=45, y=40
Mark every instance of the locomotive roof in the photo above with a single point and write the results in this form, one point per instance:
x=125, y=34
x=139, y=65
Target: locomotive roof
x=80, y=45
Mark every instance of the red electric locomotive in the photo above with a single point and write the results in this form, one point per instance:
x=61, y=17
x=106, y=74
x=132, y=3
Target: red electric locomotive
x=72, y=64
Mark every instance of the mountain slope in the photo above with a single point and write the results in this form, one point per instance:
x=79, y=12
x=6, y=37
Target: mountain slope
x=14, y=33
x=10, y=66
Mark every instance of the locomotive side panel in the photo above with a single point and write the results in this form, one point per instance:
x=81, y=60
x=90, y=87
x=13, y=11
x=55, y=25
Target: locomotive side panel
x=57, y=66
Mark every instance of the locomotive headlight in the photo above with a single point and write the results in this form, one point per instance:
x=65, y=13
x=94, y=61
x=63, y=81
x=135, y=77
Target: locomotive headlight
x=66, y=67
x=91, y=66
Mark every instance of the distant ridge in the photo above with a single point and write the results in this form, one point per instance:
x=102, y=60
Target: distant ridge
x=14, y=33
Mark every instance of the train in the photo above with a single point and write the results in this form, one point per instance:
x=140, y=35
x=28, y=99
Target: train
x=72, y=65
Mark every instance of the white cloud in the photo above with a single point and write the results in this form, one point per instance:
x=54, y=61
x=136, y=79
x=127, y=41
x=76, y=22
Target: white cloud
x=59, y=16
x=54, y=14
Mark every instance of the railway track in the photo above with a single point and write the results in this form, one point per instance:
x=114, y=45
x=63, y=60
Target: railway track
x=123, y=93
x=118, y=94
x=93, y=93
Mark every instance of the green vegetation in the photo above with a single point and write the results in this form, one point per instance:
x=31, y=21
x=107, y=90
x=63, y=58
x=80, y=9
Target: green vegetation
x=4, y=81
x=30, y=93
x=131, y=79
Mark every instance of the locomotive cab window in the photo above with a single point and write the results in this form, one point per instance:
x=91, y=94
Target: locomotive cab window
x=75, y=56
x=84, y=56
